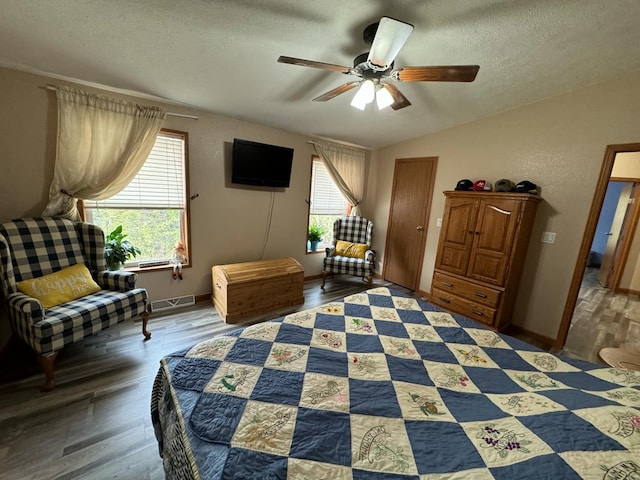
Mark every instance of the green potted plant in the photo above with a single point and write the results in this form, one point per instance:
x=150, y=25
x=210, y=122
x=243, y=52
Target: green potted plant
x=118, y=250
x=315, y=236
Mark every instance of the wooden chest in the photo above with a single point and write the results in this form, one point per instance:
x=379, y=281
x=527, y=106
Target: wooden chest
x=244, y=290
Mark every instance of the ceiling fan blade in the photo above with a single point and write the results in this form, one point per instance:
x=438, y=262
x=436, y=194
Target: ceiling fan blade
x=336, y=91
x=390, y=37
x=451, y=73
x=311, y=63
x=399, y=100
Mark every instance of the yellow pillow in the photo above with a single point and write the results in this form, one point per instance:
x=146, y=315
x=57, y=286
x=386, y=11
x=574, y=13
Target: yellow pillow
x=61, y=286
x=353, y=250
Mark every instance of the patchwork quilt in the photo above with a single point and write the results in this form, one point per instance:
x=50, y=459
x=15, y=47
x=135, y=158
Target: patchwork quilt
x=382, y=385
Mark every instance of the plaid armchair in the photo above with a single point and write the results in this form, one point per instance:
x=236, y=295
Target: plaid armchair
x=33, y=247
x=354, y=230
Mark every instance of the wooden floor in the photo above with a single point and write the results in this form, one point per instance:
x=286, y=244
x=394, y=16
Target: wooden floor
x=602, y=319
x=96, y=423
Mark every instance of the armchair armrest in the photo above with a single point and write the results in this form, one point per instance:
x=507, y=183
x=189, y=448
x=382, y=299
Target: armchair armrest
x=25, y=307
x=116, y=280
x=370, y=255
x=330, y=251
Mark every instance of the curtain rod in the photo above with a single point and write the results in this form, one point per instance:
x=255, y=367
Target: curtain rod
x=341, y=144
x=171, y=114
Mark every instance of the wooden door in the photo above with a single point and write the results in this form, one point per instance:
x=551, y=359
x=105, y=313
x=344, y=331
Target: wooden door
x=608, y=259
x=457, y=234
x=408, y=218
x=494, y=234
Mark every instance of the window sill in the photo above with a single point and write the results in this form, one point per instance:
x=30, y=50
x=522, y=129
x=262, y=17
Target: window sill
x=158, y=268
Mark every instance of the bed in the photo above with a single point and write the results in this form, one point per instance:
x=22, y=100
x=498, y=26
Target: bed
x=381, y=385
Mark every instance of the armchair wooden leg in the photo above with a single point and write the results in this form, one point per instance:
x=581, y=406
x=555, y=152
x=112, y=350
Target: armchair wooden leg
x=370, y=281
x=145, y=318
x=324, y=275
x=46, y=362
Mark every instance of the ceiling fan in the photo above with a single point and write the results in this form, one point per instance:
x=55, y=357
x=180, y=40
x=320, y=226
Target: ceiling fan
x=375, y=69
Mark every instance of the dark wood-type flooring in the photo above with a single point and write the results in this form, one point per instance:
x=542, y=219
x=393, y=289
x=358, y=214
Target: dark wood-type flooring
x=96, y=423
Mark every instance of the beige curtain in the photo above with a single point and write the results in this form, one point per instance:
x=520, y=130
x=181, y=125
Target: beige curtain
x=346, y=168
x=102, y=143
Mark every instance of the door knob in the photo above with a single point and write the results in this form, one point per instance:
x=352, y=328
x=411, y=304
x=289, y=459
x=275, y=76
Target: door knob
x=419, y=227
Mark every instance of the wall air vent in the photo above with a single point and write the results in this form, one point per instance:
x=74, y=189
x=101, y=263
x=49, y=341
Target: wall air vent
x=169, y=303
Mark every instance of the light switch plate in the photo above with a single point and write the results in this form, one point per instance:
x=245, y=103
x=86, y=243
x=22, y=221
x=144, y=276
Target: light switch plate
x=548, y=237
x=438, y=222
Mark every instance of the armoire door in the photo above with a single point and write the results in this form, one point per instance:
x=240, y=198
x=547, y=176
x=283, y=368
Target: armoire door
x=408, y=217
x=457, y=235
x=493, y=239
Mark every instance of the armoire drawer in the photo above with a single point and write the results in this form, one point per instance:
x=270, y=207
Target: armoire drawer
x=461, y=305
x=471, y=291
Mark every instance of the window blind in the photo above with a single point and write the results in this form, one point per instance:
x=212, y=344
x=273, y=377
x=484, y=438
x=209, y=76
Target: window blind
x=160, y=183
x=326, y=199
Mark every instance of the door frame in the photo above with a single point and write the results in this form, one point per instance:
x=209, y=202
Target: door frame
x=434, y=164
x=627, y=231
x=587, y=238
x=610, y=259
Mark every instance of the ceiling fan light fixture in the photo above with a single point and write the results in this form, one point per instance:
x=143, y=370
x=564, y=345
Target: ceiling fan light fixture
x=364, y=95
x=383, y=98
x=390, y=37
x=376, y=72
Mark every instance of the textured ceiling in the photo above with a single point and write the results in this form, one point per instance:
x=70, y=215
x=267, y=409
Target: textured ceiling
x=220, y=56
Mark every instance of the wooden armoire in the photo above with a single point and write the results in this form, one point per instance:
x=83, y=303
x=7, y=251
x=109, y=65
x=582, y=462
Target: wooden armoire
x=483, y=243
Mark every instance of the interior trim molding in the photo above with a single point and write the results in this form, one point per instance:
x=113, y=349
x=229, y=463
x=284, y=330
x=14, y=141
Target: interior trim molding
x=313, y=277
x=203, y=297
x=426, y=295
x=628, y=291
x=547, y=342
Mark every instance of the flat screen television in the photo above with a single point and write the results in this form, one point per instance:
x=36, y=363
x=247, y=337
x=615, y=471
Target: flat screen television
x=260, y=164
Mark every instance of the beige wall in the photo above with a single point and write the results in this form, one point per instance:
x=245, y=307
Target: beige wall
x=227, y=224
x=558, y=144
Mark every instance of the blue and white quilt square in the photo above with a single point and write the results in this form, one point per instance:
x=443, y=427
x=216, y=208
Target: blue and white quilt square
x=331, y=439
x=565, y=431
x=373, y=398
x=278, y=386
x=441, y=447
x=194, y=373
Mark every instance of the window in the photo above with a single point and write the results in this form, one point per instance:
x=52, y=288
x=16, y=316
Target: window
x=326, y=202
x=152, y=209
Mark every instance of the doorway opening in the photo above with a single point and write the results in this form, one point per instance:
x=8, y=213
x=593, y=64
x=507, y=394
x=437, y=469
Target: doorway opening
x=602, y=269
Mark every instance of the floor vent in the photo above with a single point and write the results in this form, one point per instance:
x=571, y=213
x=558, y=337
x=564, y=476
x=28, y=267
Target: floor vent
x=169, y=303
